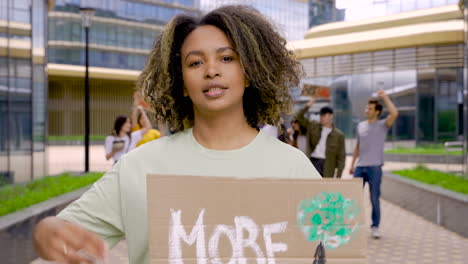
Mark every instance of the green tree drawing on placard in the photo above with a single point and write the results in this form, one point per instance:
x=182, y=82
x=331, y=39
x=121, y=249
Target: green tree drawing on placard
x=329, y=218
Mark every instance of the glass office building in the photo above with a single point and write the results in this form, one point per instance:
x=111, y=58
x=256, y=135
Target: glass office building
x=363, y=9
x=290, y=16
x=121, y=36
x=425, y=83
x=323, y=12
x=416, y=56
x=23, y=89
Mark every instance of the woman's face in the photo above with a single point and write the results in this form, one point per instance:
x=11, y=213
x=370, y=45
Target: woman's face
x=127, y=126
x=213, y=77
x=295, y=126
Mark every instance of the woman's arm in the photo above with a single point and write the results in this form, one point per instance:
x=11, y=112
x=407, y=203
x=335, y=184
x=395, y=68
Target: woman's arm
x=145, y=122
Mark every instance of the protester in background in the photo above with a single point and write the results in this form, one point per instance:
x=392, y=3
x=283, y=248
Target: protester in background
x=137, y=120
x=153, y=133
x=371, y=135
x=122, y=140
x=283, y=134
x=216, y=78
x=325, y=142
x=298, y=135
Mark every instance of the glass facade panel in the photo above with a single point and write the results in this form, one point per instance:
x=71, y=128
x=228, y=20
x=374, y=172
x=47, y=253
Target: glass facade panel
x=112, y=33
x=324, y=11
x=97, y=58
x=447, y=105
x=405, y=100
x=102, y=34
x=360, y=92
x=358, y=10
x=341, y=103
x=19, y=109
x=290, y=16
x=427, y=95
x=131, y=10
x=18, y=10
x=426, y=105
x=3, y=9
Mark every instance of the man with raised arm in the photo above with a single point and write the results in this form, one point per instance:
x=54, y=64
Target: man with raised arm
x=371, y=135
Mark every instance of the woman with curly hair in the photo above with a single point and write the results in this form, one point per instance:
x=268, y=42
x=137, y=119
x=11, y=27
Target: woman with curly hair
x=215, y=79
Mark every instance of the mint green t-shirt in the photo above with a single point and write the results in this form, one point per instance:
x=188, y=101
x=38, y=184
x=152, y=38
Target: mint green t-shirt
x=115, y=207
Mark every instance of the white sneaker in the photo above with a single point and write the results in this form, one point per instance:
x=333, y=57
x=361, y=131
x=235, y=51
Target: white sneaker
x=375, y=233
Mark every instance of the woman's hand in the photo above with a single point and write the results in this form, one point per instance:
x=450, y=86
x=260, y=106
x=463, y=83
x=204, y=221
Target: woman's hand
x=65, y=242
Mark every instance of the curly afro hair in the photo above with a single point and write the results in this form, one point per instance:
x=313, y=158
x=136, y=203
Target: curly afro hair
x=270, y=68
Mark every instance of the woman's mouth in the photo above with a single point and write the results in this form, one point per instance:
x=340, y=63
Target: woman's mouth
x=214, y=92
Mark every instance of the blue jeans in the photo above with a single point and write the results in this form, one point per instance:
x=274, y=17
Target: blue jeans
x=373, y=176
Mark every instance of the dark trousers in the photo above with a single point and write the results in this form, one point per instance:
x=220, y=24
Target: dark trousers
x=318, y=164
x=373, y=176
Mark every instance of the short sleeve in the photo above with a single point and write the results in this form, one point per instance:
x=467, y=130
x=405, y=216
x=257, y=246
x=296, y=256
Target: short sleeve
x=383, y=125
x=356, y=132
x=108, y=144
x=99, y=209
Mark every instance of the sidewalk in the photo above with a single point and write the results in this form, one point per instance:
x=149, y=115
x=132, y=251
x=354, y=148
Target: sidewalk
x=407, y=238
x=71, y=158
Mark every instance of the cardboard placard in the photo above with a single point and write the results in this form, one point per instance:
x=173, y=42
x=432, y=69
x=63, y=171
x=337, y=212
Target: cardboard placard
x=316, y=90
x=202, y=220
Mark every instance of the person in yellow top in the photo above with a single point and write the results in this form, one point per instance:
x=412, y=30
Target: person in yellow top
x=153, y=133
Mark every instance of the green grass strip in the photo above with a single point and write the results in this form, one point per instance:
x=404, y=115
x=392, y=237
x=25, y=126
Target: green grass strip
x=18, y=196
x=422, y=150
x=445, y=180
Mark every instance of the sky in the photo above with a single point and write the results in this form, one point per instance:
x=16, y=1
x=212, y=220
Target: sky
x=340, y=4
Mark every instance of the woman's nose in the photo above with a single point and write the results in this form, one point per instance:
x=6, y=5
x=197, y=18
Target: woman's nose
x=212, y=71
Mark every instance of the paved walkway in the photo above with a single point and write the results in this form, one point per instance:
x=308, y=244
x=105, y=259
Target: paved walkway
x=71, y=158
x=407, y=238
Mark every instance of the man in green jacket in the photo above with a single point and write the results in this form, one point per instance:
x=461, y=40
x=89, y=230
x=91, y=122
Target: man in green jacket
x=325, y=143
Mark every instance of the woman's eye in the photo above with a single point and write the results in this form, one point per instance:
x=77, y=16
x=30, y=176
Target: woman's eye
x=195, y=63
x=227, y=58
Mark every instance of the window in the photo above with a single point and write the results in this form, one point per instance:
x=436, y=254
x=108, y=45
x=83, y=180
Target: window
x=111, y=35
x=147, y=39
x=60, y=30
x=3, y=67
x=100, y=34
x=165, y=14
x=23, y=68
x=21, y=15
x=123, y=61
x=137, y=37
x=75, y=31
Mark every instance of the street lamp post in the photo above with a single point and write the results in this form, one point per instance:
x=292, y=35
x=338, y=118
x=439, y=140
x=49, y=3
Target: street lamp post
x=86, y=15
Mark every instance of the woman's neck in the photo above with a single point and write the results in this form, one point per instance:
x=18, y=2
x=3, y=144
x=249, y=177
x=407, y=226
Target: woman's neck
x=223, y=132
x=122, y=134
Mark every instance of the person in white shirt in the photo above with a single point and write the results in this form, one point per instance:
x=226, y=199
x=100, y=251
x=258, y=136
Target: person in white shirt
x=298, y=136
x=216, y=79
x=122, y=140
x=325, y=142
